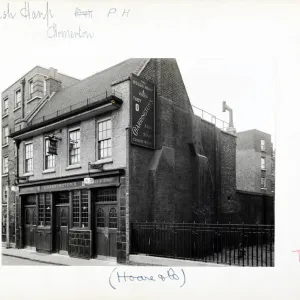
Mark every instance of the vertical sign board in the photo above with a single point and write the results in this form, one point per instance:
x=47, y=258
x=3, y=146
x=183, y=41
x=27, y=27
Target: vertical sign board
x=52, y=149
x=142, y=112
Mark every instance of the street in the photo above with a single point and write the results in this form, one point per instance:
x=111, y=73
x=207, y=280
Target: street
x=15, y=261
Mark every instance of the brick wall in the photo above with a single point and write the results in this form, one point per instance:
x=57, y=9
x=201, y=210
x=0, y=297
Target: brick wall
x=80, y=243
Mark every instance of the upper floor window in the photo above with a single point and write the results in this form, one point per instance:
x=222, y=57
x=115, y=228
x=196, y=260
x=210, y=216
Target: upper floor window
x=263, y=182
x=30, y=87
x=49, y=158
x=5, y=107
x=5, y=193
x=263, y=163
x=5, y=165
x=263, y=145
x=28, y=157
x=74, y=147
x=18, y=98
x=104, y=139
x=5, y=135
x=44, y=86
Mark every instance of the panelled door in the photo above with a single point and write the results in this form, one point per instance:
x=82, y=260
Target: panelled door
x=62, y=228
x=106, y=229
x=30, y=225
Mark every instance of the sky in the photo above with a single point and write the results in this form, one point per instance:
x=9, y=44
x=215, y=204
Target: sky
x=248, y=87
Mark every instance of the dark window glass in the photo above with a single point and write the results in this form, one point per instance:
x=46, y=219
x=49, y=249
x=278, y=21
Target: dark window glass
x=113, y=218
x=106, y=194
x=75, y=198
x=100, y=218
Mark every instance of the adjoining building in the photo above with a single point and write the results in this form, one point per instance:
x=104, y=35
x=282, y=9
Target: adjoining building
x=255, y=175
x=19, y=102
x=118, y=147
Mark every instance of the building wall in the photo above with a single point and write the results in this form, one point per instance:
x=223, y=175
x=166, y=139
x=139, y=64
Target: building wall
x=249, y=162
x=37, y=74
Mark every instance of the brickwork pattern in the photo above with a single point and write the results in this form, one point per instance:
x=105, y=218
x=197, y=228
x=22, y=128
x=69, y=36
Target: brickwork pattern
x=80, y=243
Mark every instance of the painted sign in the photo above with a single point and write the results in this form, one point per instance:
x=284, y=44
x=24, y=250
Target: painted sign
x=52, y=148
x=99, y=182
x=142, y=112
x=88, y=180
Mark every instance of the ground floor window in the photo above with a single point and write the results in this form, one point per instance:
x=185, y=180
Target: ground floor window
x=44, y=208
x=80, y=213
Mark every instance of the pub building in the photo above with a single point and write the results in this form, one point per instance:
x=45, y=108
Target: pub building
x=121, y=146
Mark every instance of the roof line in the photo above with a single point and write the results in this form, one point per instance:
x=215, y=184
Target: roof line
x=37, y=66
x=142, y=66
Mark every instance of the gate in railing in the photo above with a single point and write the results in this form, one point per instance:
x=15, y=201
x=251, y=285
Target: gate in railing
x=233, y=244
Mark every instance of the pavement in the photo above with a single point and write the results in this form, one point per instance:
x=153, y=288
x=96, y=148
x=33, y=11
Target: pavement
x=31, y=257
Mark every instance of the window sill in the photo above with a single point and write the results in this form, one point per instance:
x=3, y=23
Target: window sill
x=17, y=108
x=263, y=189
x=72, y=167
x=103, y=161
x=5, y=175
x=27, y=174
x=4, y=116
x=5, y=145
x=32, y=99
x=48, y=171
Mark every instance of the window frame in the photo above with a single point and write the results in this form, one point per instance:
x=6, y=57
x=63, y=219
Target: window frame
x=5, y=137
x=5, y=191
x=263, y=145
x=69, y=148
x=263, y=185
x=80, y=209
x=42, y=217
x=5, y=165
x=26, y=159
x=263, y=165
x=46, y=156
x=30, y=87
x=101, y=121
x=16, y=102
x=5, y=109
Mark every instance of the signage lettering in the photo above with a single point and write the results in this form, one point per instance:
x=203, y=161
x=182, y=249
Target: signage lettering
x=142, y=113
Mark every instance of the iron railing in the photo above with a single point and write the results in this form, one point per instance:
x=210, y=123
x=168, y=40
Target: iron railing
x=232, y=244
x=85, y=103
x=211, y=118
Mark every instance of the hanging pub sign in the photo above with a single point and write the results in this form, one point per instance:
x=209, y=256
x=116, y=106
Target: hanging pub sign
x=52, y=148
x=142, y=112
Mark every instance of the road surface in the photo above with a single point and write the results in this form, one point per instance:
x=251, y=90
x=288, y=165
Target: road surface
x=15, y=261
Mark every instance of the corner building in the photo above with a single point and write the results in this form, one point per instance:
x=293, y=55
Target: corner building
x=86, y=177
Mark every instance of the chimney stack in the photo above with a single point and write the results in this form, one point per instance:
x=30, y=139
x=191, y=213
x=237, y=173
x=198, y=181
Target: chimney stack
x=53, y=84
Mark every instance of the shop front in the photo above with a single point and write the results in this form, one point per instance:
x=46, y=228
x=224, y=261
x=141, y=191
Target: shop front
x=70, y=217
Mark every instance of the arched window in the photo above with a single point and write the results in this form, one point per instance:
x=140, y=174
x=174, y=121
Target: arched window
x=27, y=216
x=113, y=218
x=63, y=218
x=100, y=218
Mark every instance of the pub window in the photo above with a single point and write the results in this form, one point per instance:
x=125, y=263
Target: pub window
x=106, y=194
x=44, y=206
x=74, y=147
x=34, y=217
x=100, y=218
x=80, y=208
x=63, y=218
x=113, y=218
x=28, y=157
x=104, y=139
x=49, y=158
x=18, y=98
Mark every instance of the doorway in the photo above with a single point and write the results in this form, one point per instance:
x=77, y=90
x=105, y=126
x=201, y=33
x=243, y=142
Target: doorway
x=30, y=226
x=62, y=229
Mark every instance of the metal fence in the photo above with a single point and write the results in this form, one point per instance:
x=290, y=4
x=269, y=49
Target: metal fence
x=211, y=118
x=232, y=244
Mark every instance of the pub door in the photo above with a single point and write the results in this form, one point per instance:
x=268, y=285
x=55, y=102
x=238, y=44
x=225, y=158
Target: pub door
x=105, y=230
x=62, y=229
x=30, y=226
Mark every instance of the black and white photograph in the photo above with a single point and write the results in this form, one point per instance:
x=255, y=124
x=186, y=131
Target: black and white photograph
x=122, y=167
x=147, y=146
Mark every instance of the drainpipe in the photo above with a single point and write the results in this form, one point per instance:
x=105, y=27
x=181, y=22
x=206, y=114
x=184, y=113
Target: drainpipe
x=23, y=97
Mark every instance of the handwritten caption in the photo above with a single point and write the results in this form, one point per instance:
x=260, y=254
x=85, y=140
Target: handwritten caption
x=53, y=31
x=118, y=277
